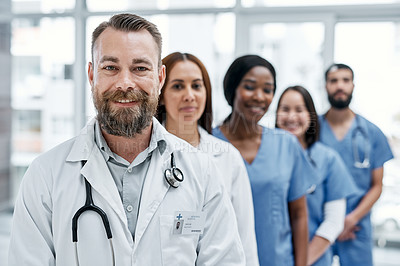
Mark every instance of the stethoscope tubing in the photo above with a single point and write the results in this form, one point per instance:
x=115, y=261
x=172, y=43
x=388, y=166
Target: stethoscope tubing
x=173, y=176
x=357, y=161
x=111, y=247
x=90, y=206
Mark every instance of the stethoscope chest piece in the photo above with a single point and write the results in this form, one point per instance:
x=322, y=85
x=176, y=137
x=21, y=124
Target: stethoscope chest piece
x=173, y=175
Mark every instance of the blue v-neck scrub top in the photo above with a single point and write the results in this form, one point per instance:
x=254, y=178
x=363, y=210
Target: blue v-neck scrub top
x=334, y=182
x=280, y=173
x=371, y=142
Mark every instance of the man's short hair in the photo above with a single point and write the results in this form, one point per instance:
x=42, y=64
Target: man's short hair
x=335, y=67
x=129, y=22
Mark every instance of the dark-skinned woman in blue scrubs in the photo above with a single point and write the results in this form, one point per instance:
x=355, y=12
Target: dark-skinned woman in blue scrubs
x=279, y=171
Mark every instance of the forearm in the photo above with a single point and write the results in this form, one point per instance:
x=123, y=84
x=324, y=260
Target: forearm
x=369, y=199
x=328, y=230
x=316, y=248
x=366, y=203
x=298, y=221
x=300, y=236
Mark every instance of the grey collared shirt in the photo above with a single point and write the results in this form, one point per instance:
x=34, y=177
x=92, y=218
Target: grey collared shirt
x=129, y=177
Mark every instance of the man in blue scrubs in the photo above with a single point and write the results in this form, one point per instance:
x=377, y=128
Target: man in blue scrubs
x=364, y=149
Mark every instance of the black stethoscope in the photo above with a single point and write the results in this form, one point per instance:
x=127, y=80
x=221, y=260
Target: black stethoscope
x=173, y=176
x=90, y=206
x=357, y=161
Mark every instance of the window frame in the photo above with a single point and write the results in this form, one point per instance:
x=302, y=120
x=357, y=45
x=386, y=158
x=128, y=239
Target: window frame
x=329, y=15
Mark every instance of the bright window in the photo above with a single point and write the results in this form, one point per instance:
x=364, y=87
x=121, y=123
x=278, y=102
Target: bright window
x=42, y=85
x=255, y=3
x=213, y=43
x=375, y=59
x=295, y=51
x=104, y=5
x=42, y=6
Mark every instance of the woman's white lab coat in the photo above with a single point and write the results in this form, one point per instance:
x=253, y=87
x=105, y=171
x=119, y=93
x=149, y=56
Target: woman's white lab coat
x=237, y=184
x=53, y=190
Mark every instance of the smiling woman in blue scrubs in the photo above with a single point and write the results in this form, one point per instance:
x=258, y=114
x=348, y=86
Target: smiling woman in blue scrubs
x=326, y=201
x=278, y=169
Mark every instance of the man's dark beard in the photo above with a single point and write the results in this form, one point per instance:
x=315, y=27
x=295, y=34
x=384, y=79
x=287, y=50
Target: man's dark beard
x=126, y=122
x=339, y=104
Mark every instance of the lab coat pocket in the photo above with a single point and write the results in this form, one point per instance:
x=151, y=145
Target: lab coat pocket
x=176, y=248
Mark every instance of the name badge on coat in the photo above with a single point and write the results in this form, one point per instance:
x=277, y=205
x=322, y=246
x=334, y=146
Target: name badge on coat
x=189, y=223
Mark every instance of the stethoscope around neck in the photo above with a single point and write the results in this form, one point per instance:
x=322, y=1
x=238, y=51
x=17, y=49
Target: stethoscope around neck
x=172, y=175
x=357, y=160
x=90, y=206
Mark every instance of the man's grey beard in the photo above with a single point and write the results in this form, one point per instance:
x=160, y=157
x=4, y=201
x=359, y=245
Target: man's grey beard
x=125, y=122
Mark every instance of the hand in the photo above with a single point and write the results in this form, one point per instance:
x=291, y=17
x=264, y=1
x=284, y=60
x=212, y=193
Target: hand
x=350, y=227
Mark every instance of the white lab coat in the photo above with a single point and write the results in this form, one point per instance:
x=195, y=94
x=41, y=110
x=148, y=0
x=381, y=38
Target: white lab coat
x=53, y=189
x=237, y=184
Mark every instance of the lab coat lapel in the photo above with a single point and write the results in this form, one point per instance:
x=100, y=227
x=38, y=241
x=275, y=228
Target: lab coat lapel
x=99, y=177
x=207, y=143
x=95, y=170
x=154, y=190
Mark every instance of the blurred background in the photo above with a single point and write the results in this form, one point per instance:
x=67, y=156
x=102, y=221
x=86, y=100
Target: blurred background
x=45, y=48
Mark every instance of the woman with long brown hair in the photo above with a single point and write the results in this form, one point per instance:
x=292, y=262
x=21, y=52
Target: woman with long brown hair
x=185, y=110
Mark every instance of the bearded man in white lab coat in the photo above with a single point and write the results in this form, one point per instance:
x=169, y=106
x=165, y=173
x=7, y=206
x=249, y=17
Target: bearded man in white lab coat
x=118, y=162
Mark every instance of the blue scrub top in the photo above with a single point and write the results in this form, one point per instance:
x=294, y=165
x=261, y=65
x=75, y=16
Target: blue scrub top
x=374, y=145
x=280, y=173
x=368, y=141
x=334, y=182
